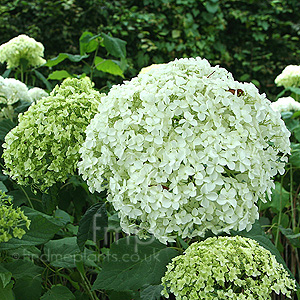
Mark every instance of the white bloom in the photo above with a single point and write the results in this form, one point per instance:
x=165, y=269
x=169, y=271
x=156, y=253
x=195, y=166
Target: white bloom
x=147, y=69
x=37, y=94
x=290, y=77
x=13, y=90
x=183, y=149
x=285, y=104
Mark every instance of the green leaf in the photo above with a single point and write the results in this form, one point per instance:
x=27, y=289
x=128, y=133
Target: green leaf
x=124, y=295
x=43, y=79
x=50, y=199
x=23, y=268
x=6, y=293
x=212, y=7
x=88, y=42
x=296, y=132
x=108, y=66
x=291, y=236
x=257, y=234
x=3, y=188
x=42, y=229
x=58, y=292
x=279, y=200
x=65, y=253
x=133, y=263
x=5, y=276
x=93, y=225
x=114, y=46
x=62, y=56
x=5, y=126
x=59, y=75
x=28, y=288
x=295, y=155
x=151, y=292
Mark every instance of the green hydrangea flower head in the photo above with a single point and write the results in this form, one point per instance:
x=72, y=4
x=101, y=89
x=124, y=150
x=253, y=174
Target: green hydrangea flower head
x=43, y=148
x=22, y=47
x=218, y=268
x=11, y=219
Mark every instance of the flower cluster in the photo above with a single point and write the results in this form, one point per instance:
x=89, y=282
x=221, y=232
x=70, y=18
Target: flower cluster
x=226, y=268
x=11, y=219
x=43, y=148
x=147, y=69
x=285, y=104
x=22, y=47
x=183, y=149
x=290, y=77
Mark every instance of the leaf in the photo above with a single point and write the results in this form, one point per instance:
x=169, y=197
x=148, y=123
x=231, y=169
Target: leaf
x=5, y=276
x=291, y=236
x=43, y=79
x=22, y=107
x=6, y=293
x=279, y=200
x=212, y=7
x=3, y=188
x=62, y=56
x=88, y=42
x=59, y=75
x=64, y=253
x=295, y=155
x=151, y=292
x=42, y=229
x=108, y=66
x=50, y=200
x=114, y=46
x=124, y=295
x=93, y=225
x=23, y=268
x=5, y=126
x=58, y=292
x=28, y=288
x=257, y=234
x=297, y=133
x=133, y=263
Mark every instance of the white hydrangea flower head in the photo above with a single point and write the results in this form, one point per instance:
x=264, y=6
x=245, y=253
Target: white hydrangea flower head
x=285, y=104
x=22, y=47
x=183, y=149
x=13, y=90
x=44, y=147
x=37, y=94
x=147, y=69
x=290, y=77
x=235, y=268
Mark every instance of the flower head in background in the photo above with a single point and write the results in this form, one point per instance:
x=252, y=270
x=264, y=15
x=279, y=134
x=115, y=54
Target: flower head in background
x=13, y=90
x=43, y=148
x=290, y=77
x=183, y=149
x=22, y=47
x=11, y=219
x=37, y=94
x=226, y=268
x=285, y=104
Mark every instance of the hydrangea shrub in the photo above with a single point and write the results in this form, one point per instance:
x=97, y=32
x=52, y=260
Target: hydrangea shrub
x=11, y=219
x=226, y=268
x=290, y=77
x=22, y=47
x=44, y=147
x=285, y=104
x=184, y=148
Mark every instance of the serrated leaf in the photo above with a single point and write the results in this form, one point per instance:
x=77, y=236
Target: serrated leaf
x=133, y=263
x=92, y=225
x=23, y=268
x=58, y=292
x=62, y=56
x=6, y=126
x=114, y=46
x=152, y=292
x=59, y=75
x=108, y=66
x=42, y=229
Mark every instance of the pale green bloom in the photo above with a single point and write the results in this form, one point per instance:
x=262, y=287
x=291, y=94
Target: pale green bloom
x=43, y=148
x=184, y=148
x=11, y=219
x=147, y=69
x=22, y=47
x=290, y=77
x=226, y=268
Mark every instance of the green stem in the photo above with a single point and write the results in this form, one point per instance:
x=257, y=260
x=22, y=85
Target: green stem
x=280, y=214
x=92, y=66
x=292, y=200
x=27, y=197
x=87, y=287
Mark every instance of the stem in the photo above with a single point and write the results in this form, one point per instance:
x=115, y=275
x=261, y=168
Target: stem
x=292, y=200
x=92, y=66
x=280, y=214
x=87, y=286
x=27, y=197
